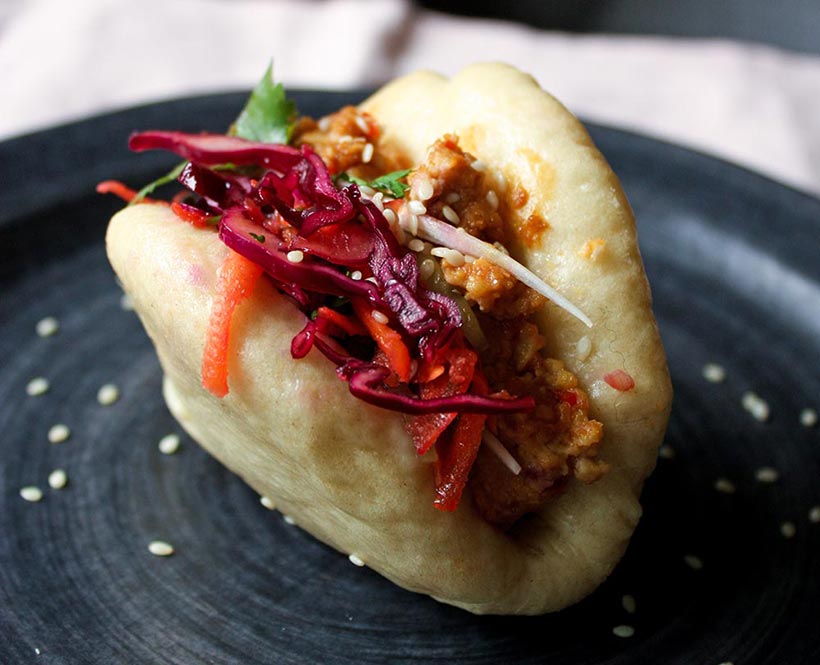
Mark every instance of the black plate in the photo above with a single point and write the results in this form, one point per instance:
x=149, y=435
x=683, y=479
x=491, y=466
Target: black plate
x=733, y=260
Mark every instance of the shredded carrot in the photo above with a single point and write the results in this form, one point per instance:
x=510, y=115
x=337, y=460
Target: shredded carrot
x=236, y=280
x=127, y=194
x=344, y=323
x=387, y=339
x=190, y=214
x=456, y=456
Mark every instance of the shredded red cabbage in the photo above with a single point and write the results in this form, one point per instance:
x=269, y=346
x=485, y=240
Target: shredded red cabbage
x=283, y=200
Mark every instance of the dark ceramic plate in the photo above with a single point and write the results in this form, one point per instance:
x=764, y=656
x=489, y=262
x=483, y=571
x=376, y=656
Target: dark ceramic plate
x=734, y=263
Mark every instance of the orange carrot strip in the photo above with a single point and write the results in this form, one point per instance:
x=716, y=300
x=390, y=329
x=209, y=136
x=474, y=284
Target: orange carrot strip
x=190, y=215
x=116, y=188
x=345, y=323
x=387, y=339
x=456, y=457
x=236, y=280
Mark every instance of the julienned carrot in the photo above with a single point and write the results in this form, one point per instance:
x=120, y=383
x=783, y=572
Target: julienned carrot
x=456, y=456
x=116, y=188
x=387, y=339
x=236, y=280
x=344, y=323
x=190, y=214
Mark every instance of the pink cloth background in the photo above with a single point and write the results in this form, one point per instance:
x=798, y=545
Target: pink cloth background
x=59, y=61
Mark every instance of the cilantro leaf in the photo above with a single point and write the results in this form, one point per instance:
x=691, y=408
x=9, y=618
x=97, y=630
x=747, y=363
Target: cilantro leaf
x=172, y=175
x=389, y=183
x=268, y=116
x=257, y=237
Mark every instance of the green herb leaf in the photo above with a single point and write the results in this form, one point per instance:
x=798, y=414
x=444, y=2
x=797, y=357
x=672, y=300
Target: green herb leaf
x=260, y=238
x=172, y=175
x=268, y=116
x=389, y=183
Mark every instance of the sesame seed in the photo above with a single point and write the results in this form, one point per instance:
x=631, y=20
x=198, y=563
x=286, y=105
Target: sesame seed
x=378, y=316
x=37, y=386
x=324, y=124
x=356, y=561
x=454, y=258
x=168, y=444
x=390, y=216
x=378, y=200
x=347, y=138
x=37, y=650
x=584, y=348
x=289, y=520
x=126, y=302
x=767, y=474
x=450, y=215
x=413, y=224
x=478, y=165
x=623, y=631
x=453, y=197
x=356, y=275
x=714, y=373
x=57, y=479
x=367, y=153
x=267, y=502
x=695, y=563
x=788, y=530
x=727, y=662
x=725, y=486
x=424, y=191
x=108, y=394
x=808, y=417
x=492, y=199
x=416, y=207
x=416, y=245
x=427, y=268
x=47, y=327
x=629, y=604
x=501, y=180
x=814, y=515
x=362, y=123
x=58, y=433
x=755, y=405
x=31, y=493
x=295, y=256
x=367, y=192
x=666, y=452
x=372, y=280
x=160, y=548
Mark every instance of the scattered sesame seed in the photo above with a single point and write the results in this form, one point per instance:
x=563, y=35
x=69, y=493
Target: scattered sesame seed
x=347, y=138
x=366, y=191
x=58, y=433
x=160, y=548
x=295, y=256
x=425, y=190
x=427, y=268
x=379, y=316
x=267, y=502
x=727, y=662
x=126, y=302
x=788, y=530
x=767, y=474
x=37, y=386
x=108, y=394
x=324, y=124
x=694, y=562
x=714, y=373
x=362, y=123
x=478, y=165
x=492, y=199
x=417, y=207
x=415, y=245
x=452, y=197
x=450, y=215
x=37, y=650
x=666, y=452
x=390, y=216
x=629, y=604
x=31, y=493
x=372, y=280
x=725, y=486
x=413, y=224
x=814, y=515
x=808, y=417
x=367, y=153
x=168, y=444
x=356, y=275
x=47, y=327
x=356, y=561
x=755, y=405
x=584, y=348
x=623, y=631
x=451, y=256
x=57, y=479
x=289, y=520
